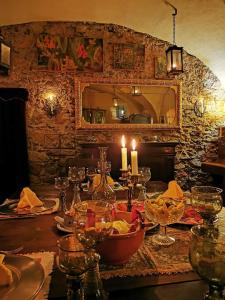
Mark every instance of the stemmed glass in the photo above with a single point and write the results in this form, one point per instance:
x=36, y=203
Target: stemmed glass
x=207, y=257
x=76, y=175
x=164, y=211
x=143, y=178
x=62, y=184
x=208, y=202
x=144, y=175
x=73, y=261
x=93, y=223
x=91, y=172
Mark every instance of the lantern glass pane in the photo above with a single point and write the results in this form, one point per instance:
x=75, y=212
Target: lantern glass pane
x=169, y=59
x=177, y=61
x=5, y=55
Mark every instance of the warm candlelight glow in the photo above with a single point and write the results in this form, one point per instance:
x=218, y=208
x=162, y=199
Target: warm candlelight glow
x=123, y=141
x=134, y=159
x=133, y=144
x=124, y=153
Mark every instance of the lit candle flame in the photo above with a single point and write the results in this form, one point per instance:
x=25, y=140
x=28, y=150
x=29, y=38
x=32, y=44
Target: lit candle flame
x=123, y=141
x=133, y=144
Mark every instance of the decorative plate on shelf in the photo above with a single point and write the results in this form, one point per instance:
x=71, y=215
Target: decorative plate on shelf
x=28, y=278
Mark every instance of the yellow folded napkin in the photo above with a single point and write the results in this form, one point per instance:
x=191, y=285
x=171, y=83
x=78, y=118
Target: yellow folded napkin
x=28, y=199
x=5, y=273
x=174, y=191
x=97, y=180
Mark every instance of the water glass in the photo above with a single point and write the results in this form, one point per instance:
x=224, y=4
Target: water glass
x=207, y=257
x=72, y=260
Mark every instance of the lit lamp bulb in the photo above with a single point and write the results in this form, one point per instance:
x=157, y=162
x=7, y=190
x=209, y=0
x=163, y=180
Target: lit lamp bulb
x=51, y=104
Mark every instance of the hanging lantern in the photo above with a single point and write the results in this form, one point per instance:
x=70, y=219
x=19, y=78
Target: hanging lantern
x=174, y=60
x=136, y=90
x=174, y=54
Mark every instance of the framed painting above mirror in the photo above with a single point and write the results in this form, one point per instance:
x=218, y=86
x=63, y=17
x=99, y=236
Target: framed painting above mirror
x=127, y=104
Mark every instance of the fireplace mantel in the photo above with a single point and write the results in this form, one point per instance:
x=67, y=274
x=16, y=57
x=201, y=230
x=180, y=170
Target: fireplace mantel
x=159, y=156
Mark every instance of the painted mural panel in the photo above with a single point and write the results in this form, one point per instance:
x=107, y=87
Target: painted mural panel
x=59, y=53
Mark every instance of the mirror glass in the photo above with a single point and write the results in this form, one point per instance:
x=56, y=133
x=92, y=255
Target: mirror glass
x=117, y=105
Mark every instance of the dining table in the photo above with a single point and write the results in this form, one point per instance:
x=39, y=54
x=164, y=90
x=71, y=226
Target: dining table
x=40, y=234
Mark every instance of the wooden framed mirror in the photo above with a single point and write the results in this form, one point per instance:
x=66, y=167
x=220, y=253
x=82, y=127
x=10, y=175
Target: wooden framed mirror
x=127, y=104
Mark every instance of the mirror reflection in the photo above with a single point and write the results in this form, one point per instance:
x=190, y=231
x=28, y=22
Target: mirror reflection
x=106, y=105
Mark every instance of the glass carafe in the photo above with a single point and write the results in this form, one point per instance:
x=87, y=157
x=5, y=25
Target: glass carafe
x=103, y=191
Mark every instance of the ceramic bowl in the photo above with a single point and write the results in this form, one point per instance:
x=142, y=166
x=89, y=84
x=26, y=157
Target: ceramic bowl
x=117, y=249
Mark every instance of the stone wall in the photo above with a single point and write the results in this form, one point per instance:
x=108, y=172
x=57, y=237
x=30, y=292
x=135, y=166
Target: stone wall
x=53, y=142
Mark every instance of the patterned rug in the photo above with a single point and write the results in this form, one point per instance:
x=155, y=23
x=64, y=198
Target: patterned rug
x=152, y=259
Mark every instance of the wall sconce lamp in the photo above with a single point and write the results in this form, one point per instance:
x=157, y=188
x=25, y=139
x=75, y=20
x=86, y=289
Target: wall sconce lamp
x=115, y=101
x=5, y=57
x=136, y=90
x=174, y=54
x=51, y=105
x=115, y=98
x=200, y=107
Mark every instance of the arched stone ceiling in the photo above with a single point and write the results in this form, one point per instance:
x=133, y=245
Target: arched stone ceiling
x=200, y=24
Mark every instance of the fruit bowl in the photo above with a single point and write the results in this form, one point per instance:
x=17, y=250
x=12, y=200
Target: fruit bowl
x=118, y=248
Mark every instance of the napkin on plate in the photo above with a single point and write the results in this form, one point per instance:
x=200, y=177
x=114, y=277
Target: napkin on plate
x=5, y=273
x=28, y=199
x=97, y=180
x=174, y=191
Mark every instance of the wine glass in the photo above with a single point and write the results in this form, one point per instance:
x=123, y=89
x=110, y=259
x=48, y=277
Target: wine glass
x=62, y=184
x=144, y=175
x=93, y=223
x=91, y=172
x=207, y=257
x=164, y=211
x=143, y=178
x=208, y=202
x=73, y=261
x=76, y=175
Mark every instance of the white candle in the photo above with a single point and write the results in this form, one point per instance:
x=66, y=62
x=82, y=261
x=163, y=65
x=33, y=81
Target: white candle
x=124, y=153
x=134, y=159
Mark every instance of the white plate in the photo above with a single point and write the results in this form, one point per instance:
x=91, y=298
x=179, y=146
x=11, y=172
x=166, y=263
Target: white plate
x=118, y=187
x=28, y=278
x=64, y=229
x=10, y=208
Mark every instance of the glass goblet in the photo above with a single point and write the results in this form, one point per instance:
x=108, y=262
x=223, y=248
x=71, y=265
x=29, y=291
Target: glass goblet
x=164, y=211
x=207, y=257
x=76, y=175
x=144, y=175
x=62, y=184
x=72, y=260
x=208, y=202
x=93, y=223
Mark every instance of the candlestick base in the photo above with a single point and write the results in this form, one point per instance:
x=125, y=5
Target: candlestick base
x=125, y=174
x=134, y=179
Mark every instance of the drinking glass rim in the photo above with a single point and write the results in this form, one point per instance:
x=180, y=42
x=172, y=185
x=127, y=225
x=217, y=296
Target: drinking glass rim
x=81, y=250
x=216, y=189
x=81, y=208
x=217, y=241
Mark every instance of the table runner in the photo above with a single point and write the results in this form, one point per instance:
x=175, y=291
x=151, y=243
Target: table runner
x=152, y=259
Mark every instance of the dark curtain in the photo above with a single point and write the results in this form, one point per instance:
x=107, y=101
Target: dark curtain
x=14, y=171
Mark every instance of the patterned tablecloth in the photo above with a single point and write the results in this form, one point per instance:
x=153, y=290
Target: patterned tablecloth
x=153, y=259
